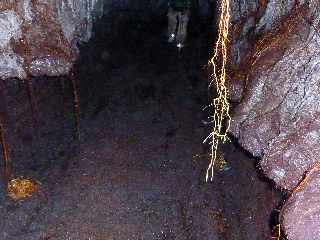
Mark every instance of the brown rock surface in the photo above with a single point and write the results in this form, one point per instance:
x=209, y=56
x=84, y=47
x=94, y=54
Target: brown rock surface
x=281, y=101
x=301, y=214
x=39, y=37
x=278, y=120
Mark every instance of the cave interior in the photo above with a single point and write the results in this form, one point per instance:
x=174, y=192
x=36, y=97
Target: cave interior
x=129, y=162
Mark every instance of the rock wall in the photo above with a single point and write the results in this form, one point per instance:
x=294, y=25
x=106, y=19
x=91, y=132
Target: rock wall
x=275, y=77
x=40, y=37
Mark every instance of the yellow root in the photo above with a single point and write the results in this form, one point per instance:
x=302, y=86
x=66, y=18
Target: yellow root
x=218, y=78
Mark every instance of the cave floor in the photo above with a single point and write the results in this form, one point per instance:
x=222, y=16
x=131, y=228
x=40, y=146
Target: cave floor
x=138, y=170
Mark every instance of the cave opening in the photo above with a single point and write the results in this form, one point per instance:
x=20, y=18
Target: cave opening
x=138, y=169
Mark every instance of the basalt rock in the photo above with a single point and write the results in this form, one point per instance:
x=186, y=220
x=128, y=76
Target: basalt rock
x=300, y=215
x=275, y=77
x=40, y=37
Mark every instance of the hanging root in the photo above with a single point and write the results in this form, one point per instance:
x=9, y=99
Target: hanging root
x=76, y=103
x=5, y=155
x=277, y=232
x=18, y=188
x=218, y=79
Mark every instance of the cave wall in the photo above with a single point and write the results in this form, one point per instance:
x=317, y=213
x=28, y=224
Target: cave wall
x=40, y=37
x=275, y=79
x=274, y=76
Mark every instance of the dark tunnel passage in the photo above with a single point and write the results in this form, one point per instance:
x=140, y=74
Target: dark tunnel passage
x=138, y=170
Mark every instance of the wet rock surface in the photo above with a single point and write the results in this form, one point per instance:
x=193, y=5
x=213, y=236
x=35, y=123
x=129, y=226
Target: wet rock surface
x=138, y=170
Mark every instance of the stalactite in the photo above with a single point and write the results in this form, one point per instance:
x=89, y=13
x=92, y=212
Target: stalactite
x=76, y=99
x=5, y=154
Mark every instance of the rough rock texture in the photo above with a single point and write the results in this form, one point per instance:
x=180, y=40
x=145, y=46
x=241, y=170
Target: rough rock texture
x=250, y=20
x=295, y=219
x=39, y=37
x=275, y=71
x=277, y=117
